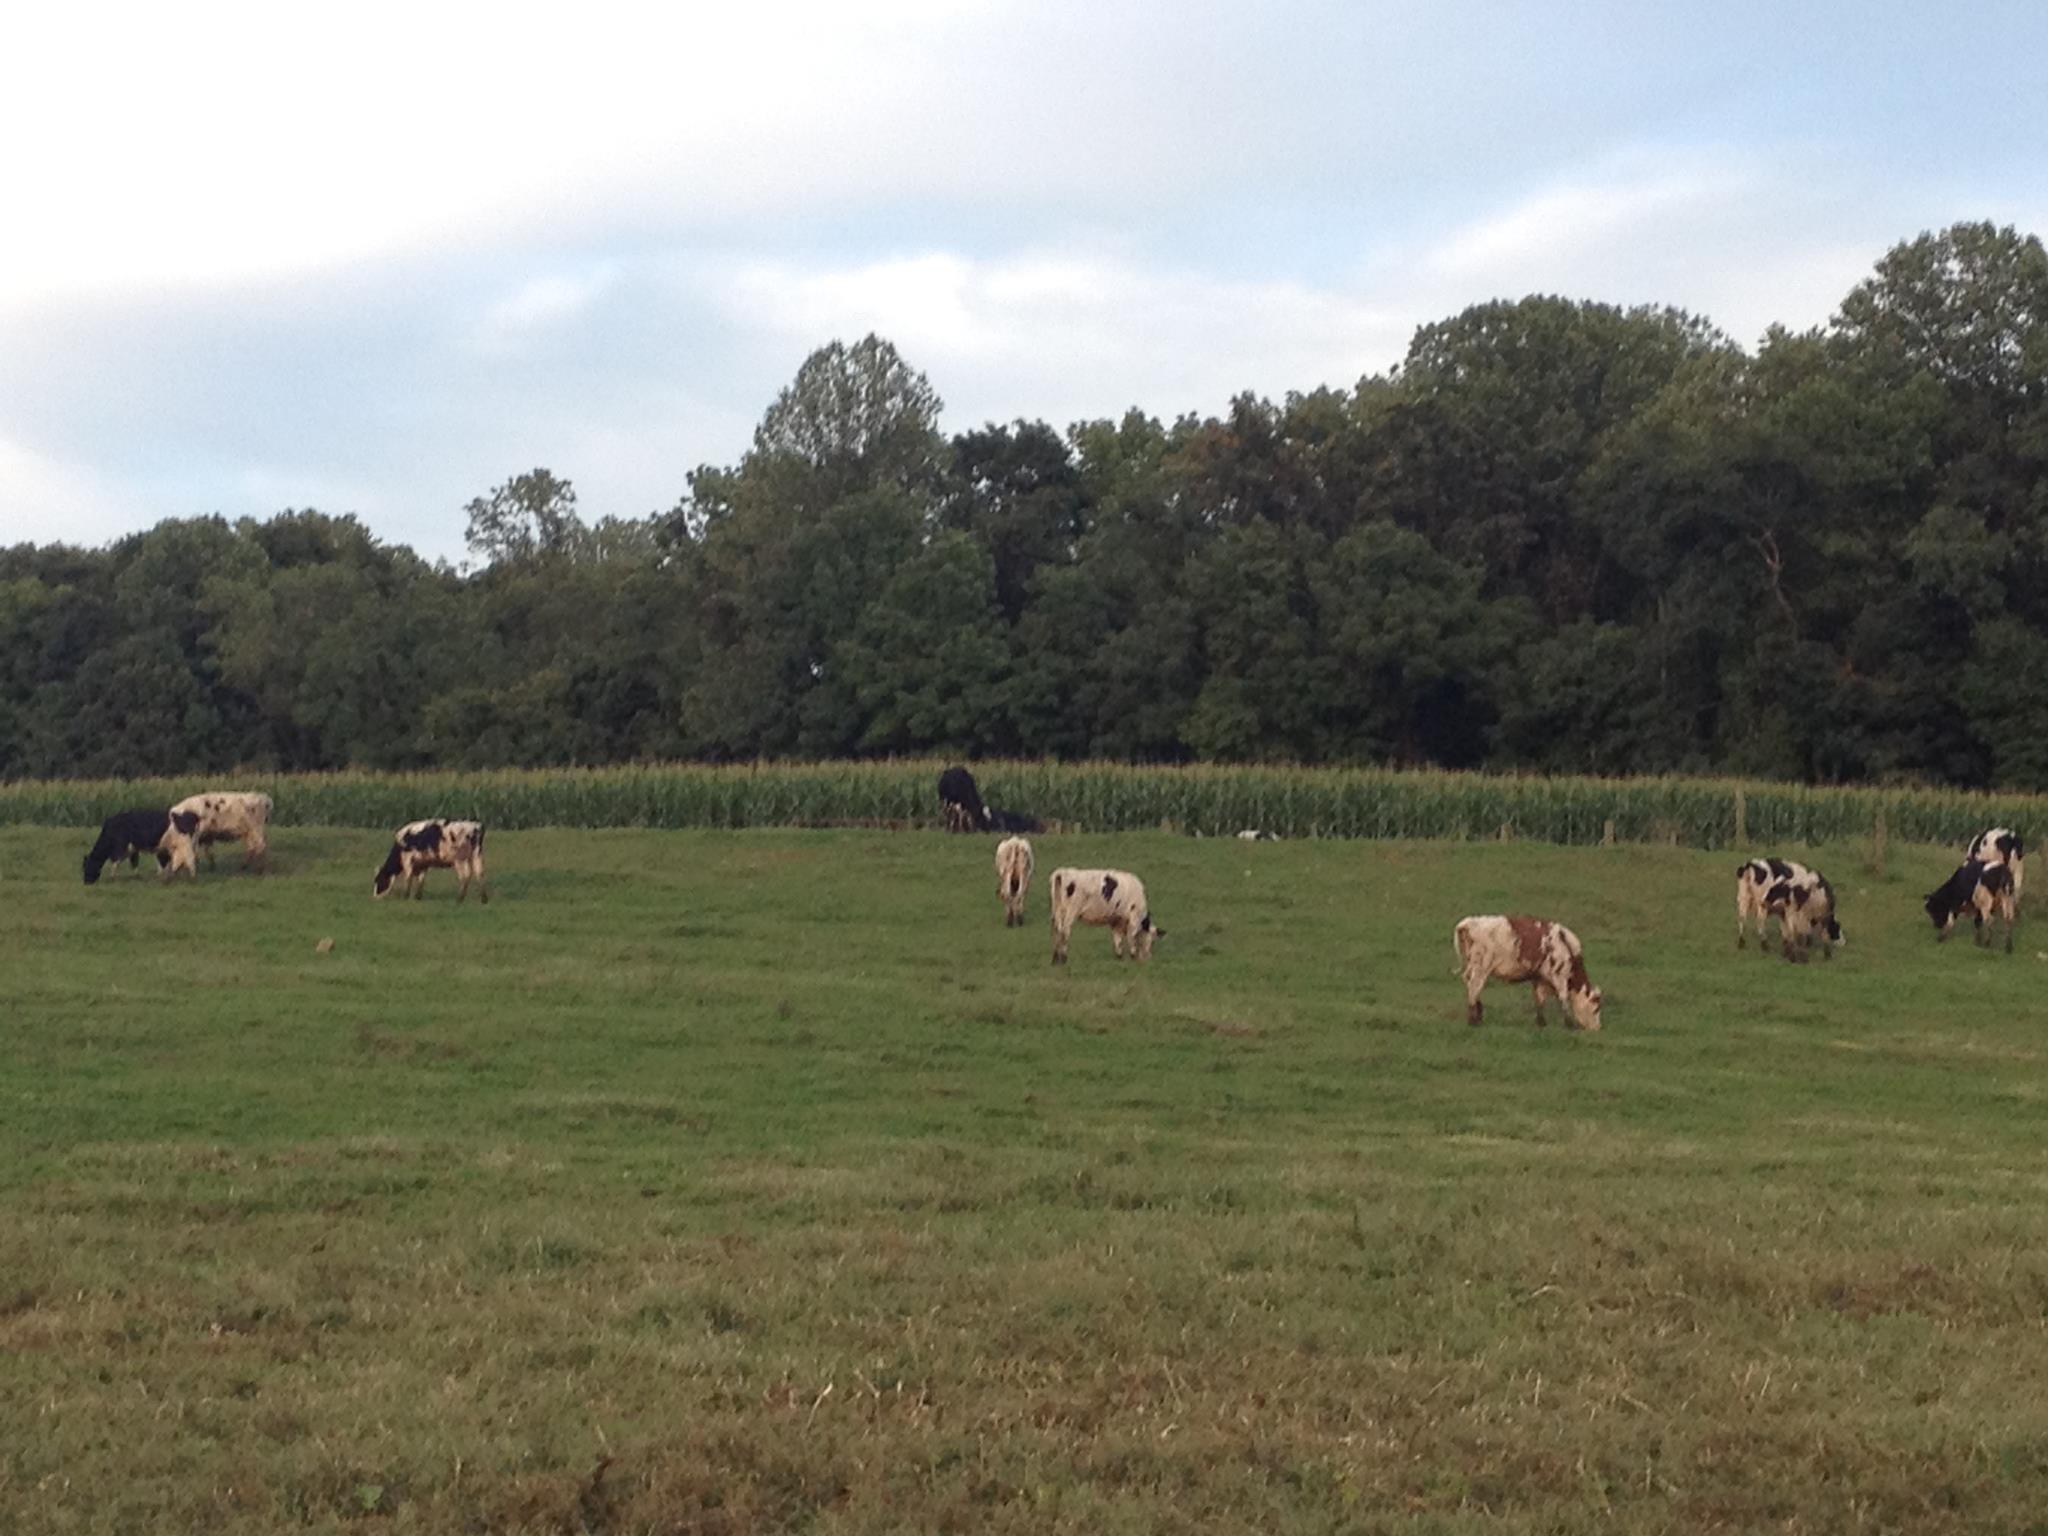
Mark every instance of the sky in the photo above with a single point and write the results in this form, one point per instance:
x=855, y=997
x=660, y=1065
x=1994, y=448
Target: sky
x=378, y=259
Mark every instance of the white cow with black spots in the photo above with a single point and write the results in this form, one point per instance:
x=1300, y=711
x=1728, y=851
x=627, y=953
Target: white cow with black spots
x=1102, y=898
x=2002, y=845
x=218, y=816
x=436, y=843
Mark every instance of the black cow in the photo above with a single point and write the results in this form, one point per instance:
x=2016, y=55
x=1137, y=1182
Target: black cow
x=962, y=802
x=128, y=835
x=1980, y=889
x=1013, y=821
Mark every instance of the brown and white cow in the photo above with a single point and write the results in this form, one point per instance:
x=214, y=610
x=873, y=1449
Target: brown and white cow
x=218, y=816
x=435, y=844
x=1102, y=898
x=1547, y=955
x=1013, y=878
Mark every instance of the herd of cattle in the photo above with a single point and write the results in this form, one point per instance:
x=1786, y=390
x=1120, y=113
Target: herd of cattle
x=199, y=821
x=1985, y=887
x=1547, y=955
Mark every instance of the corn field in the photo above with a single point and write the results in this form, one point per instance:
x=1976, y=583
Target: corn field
x=1209, y=801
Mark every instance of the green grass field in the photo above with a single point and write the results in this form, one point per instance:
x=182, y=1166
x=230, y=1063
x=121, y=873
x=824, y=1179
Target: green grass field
x=734, y=1182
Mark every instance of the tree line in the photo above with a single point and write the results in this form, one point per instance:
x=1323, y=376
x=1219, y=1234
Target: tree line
x=1559, y=536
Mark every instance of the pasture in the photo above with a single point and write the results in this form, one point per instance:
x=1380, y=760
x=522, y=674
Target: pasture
x=762, y=1181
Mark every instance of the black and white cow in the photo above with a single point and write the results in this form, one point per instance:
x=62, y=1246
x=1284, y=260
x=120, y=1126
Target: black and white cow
x=435, y=844
x=1980, y=889
x=2002, y=845
x=961, y=801
x=128, y=835
x=1102, y=898
x=1804, y=906
x=218, y=816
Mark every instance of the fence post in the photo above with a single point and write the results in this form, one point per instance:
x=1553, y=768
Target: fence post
x=1607, y=834
x=1877, y=839
x=1741, y=818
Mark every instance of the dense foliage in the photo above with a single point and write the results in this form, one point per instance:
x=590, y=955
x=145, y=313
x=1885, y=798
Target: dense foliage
x=1561, y=536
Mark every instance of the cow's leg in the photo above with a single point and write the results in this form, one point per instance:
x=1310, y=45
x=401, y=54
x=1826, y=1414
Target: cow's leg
x=1543, y=994
x=461, y=884
x=1475, y=983
x=1059, y=943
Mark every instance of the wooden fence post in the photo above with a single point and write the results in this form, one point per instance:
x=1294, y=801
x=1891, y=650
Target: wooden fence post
x=1877, y=839
x=1741, y=818
x=1607, y=834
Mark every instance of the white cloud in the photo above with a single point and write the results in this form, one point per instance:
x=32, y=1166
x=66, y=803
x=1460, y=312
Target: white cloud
x=1071, y=336
x=538, y=307
x=45, y=501
x=1743, y=241
x=242, y=140
x=1068, y=334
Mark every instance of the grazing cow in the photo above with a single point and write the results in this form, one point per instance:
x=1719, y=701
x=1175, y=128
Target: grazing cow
x=1754, y=882
x=1257, y=835
x=127, y=835
x=2002, y=845
x=962, y=802
x=1013, y=878
x=1544, y=954
x=1103, y=898
x=1980, y=889
x=435, y=844
x=198, y=821
x=1804, y=905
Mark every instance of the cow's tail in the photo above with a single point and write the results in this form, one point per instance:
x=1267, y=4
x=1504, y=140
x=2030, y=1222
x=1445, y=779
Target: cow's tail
x=1461, y=944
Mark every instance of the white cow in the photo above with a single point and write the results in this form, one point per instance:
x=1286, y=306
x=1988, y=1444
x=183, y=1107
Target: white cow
x=1103, y=898
x=1013, y=878
x=219, y=816
x=436, y=843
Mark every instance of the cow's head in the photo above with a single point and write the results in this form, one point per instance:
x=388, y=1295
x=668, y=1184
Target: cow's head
x=1940, y=910
x=388, y=874
x=1148, y=931
x=1586, y=1007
